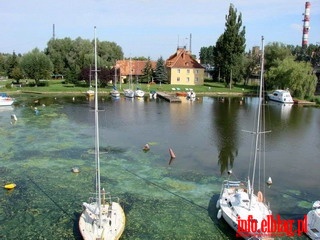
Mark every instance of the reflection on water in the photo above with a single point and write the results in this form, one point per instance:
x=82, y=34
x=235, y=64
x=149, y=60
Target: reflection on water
x=162, y=199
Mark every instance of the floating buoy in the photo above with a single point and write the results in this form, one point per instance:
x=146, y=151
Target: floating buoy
x=75, y=170
x=146, y=147
x=269, y=181
x=218, y=204
x=10, y=186
x=230, y=172
x=219, y=214
x=172, y=153
x=14, y=117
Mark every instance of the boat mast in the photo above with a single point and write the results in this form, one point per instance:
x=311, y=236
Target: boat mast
x=96, y=117
x=257, y=132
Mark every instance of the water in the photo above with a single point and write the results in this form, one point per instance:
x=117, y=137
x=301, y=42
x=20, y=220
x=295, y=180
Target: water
x=161, y=200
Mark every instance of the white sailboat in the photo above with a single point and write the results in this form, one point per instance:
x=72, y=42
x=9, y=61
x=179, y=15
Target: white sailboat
x=101, y=218
x=114, y=92
x=313, y=221
x=129, y=92
x=237, y=199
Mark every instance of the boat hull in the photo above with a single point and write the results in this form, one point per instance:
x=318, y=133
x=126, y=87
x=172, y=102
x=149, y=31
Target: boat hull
x=234, y=204
x=128, y=93
x=282, y=96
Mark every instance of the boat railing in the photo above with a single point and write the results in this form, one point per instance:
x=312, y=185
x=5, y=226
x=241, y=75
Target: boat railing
x=105, y=197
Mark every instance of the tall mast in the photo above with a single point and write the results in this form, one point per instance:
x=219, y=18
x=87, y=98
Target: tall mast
x=257, y=131
x=96, y=117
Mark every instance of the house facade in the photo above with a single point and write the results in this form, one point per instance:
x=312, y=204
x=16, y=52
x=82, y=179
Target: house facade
x=132, y=68
x=183, y=69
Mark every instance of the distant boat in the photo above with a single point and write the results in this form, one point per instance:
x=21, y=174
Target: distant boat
x=282, y=96
x=191, y=95
x=153, y=94
x=129, y=93
x=313, y=221
x=90, y=93
x=139, y=93
x=5, y=100
x=115, y=93
x=102, y=218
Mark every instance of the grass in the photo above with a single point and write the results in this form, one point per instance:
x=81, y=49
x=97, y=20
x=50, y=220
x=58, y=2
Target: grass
x=59, y=86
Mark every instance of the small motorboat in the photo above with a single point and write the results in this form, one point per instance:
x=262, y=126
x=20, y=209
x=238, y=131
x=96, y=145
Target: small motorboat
x=191, y=95
x=313, y=221
x=5, y=100
x=153, y=94
x=282, y=96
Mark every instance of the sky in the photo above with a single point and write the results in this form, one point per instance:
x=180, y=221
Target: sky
x=151, y=28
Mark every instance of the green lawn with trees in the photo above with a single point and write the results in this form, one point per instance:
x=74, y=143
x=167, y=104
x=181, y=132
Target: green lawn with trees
x=233, y=70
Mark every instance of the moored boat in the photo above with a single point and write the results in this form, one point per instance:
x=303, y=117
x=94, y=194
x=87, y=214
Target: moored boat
x=238, y=201
x=313, y=221
x=282, y=96
x=102, y=217
x=5, y=100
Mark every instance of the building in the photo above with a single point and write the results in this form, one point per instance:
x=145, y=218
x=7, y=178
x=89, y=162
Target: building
x=183, y=69
x=132, y=68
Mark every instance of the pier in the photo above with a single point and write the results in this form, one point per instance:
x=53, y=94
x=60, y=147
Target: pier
x=168, y=97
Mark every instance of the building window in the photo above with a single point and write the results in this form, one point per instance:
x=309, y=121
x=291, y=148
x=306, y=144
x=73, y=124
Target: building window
x=188, y=71
x=188, y=79
x=197, y=71
x=178, y=79
x=197, y=79
x=178, y=70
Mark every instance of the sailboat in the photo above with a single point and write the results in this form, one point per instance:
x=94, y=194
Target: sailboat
x=101, y=218
x=114, y=92
x=129, y=92
x=237, y=202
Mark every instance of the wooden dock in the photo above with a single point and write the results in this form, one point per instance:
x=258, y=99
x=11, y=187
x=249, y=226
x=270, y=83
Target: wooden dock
x=168, y=97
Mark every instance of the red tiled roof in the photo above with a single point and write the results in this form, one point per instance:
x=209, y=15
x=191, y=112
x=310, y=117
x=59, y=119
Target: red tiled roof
x=136, y=66
x=182, y=59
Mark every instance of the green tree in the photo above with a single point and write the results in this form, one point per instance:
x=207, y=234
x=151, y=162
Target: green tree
x=160, y=73
x=206, y=55
x=274, y=53
x=297, y=76
x=12, y=62
x=36, y=65
x=147, y=71
x=230, y=47
x=17, y=74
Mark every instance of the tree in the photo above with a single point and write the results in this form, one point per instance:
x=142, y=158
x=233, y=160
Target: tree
x=12, y=63
x=274, y=53
x=147, y=71
x=206, y=55
x=17, y=74
x=36, y=65
x=230, y=47
x=297, y=76
x=160, y=73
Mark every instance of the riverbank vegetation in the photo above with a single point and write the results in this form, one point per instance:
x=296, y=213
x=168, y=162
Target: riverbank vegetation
x=66, y=66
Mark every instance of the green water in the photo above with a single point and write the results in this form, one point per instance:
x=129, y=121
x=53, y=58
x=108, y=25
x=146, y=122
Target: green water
x=160, y=201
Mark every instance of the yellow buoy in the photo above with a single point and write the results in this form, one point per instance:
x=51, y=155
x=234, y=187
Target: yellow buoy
x=10, y=186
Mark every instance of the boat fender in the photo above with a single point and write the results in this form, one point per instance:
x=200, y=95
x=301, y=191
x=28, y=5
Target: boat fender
x=260, y=197
x=219, y=214
x=218, y=204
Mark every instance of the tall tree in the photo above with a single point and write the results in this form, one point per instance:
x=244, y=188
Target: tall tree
x=160, y=73
x=230, y=47
x=36, y=65
x=275, y=52
x=147, y=71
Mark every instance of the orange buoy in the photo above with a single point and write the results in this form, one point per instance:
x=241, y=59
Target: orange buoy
x=172, y=153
